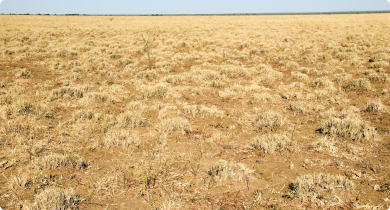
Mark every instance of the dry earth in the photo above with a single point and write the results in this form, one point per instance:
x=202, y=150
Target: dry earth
x=195, y=112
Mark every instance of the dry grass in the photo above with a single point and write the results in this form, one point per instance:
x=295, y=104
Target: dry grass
x=303, y=107
x=157, y=91
x=326, y=144
x=275, y=143
x=375, y=106
x=269, y=119
x=54, y=198
x=320, y=189
x=70, y=92
x=121, y=138
x=194, y=112
x=323, y=82
x=338, y=78
x=21, y=182
x=131, y=119
x=299, y=76
x=53, y=161
x=261, y=97
x=362, y=83
x=351, y=127
x=202, y=111
x=223, y=170
x=22, y=73
x=172, y=124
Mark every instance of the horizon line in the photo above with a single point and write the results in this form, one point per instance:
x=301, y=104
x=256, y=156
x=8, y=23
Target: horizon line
x=208, y=14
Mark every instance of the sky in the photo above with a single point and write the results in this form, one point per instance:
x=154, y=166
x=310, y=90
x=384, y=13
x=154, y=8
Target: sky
x=187, y=6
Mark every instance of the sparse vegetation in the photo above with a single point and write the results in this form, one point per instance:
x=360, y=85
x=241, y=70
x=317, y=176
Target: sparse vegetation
x=362, y=83
x=172, y=124
x=194, y=112
x=268, y=119
x=53, y=161
x=54, y=198
x=275, y=143
x=320, y=189
x=375, y=106
x=223, y=170
x=349, y=127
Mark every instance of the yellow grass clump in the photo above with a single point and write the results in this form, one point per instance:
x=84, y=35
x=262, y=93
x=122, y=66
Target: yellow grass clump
x=268, y=119
x=320, y=189
x=351, y=127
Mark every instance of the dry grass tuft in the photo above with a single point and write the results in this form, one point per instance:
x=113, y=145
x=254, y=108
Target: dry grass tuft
x=131, y=119
x=268, y=119
x=362, y=83
x=137, y=106
x=70, y=92
x=380, y=57
x=378, y=77
x=227, y=94
x=148, y=74
x=157, y=91
x=299, y=76
x=323, y=82
x=54, y=161
x=341, y=77
x=342, y=56
x=172, y=124
x=172, y=204
x=351, y=127
x=266, y=74
x=275, y=143
x=303, y=107
x=223, y=170
x=233, y=71
x=202, y=111
x=205, y=76
x=93, y=97
x=22, y=73
x=375, y=106
x=54, y=198
x=65, y=53
x=83, y=115
x=174, y=79
x=380, y=64
x=325, y=144
x=25, y=106
x=121, y=138
x=320, y=189
x=261, y=97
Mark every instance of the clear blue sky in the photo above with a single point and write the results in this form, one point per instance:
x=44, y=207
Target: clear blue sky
x=187, y=6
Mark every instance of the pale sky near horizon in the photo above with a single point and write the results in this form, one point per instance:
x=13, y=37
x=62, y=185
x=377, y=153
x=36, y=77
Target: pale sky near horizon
x=187, y=6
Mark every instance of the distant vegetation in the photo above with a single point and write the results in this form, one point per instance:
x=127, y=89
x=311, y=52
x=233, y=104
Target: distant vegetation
x=228, y=14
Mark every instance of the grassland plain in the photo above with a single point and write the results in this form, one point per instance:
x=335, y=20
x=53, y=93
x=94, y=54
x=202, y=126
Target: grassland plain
x=195, y=112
